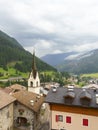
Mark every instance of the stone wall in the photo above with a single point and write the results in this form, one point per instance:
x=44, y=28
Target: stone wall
x=20, y=111
x=6, y=118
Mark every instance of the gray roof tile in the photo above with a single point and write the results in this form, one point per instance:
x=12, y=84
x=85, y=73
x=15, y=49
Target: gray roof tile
x=59, y=97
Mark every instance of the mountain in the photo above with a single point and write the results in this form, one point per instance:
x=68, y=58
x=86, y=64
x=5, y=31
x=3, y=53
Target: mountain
x=74, y=62
x=83, y=63
x=56, y=59
x=14, y=55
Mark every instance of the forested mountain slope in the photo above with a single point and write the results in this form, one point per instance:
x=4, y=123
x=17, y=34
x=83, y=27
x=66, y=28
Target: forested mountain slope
x=14, y=55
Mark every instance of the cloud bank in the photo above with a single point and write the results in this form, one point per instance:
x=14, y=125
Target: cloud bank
x=51, y=26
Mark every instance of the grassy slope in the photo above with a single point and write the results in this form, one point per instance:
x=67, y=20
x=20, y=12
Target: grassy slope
x=93, y=75
x=11, y=72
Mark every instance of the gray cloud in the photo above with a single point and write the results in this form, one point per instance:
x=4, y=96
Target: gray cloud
x=51, y=26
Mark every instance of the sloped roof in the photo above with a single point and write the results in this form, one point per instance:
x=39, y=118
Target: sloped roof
x=7, y=90
x=18, y=87
x=59, y=97
x=92, y=86
x=13, y=88
x=5, y=99
x=70, y=94
x=85, y=94
x=24, y=97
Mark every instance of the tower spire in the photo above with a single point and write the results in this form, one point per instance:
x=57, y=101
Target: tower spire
x=34, y=68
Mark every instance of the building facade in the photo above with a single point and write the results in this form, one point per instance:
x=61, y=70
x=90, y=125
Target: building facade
x=23, y=116
x=6, y=111
x=6, y=118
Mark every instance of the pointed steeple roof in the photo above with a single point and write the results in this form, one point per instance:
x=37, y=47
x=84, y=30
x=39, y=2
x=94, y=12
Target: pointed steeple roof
x=34, y=68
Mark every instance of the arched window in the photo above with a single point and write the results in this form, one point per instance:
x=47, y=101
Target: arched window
x=37, y=83
x=31, y=84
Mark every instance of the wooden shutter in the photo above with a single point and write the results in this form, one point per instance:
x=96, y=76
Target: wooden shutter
x=56, y=118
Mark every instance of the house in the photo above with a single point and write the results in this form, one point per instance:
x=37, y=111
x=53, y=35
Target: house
x=73, y=108
x=17, y=87
x=48, y=86
x=91, y=86
x=6, y=111
x=33, y=80
x=27, y=108
x=13, y=88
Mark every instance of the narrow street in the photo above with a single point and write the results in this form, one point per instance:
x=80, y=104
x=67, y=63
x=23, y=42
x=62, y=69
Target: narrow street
x=45, y=126
x=45, y=119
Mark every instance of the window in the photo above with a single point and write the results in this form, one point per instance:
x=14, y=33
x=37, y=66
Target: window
x=8, y=115
x=31, y=84
x=21, y=111
x=37, y=83
x=8, y=128
x=59, y=118
x=68, y=119
x=85, y=122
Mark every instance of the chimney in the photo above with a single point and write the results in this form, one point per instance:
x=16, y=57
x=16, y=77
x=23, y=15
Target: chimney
x=70, y=88
x=38, y=96
x=96, y=98
x=32, y=102
x=54, y=89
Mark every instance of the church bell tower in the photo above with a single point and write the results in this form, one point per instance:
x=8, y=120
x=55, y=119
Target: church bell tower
x=33, y=80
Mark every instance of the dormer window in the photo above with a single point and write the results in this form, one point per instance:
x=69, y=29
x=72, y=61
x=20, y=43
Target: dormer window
x=69, y=97
x=85, y=98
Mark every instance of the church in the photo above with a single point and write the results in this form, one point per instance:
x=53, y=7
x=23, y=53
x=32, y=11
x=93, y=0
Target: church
x=34, y=80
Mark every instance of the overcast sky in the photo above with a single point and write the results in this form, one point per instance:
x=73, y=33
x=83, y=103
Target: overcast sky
x=51, y=26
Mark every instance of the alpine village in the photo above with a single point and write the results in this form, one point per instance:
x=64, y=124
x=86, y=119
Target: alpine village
x=35, y=95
